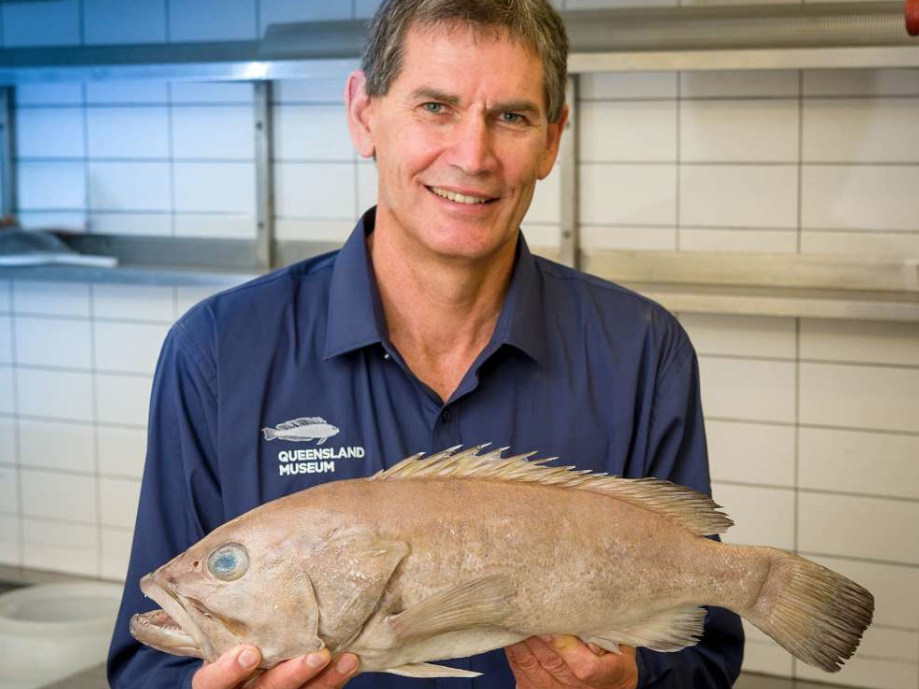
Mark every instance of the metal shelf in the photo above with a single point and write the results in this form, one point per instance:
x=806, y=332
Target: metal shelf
x=810, y=36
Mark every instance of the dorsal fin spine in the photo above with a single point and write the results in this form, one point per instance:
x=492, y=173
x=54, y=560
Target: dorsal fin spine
x=694, y=511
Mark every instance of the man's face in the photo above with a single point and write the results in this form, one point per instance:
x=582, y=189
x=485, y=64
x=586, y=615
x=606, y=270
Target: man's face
x=460, y=140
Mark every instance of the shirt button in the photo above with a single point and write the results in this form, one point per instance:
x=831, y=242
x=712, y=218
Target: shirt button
x=386, y=356
x=446, y=416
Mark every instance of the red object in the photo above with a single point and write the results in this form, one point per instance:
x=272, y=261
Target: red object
x=912, y=17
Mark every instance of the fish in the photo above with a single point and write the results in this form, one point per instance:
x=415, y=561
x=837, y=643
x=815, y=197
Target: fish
x=467, y=551
x=302, y=430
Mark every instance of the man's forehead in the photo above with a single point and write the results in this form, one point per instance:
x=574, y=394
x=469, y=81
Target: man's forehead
x=433, y=51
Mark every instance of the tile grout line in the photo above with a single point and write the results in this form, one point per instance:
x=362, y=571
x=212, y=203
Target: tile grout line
x=800, y=157
x=87, y=197
x=17, y=430
x=170, y=123
x=679, y=159
x=95, y=426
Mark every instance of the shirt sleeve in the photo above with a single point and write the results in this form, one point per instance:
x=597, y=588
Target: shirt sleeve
x=179, y=502
x=677, y=452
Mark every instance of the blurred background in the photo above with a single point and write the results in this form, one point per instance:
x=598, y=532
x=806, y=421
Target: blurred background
x=767, y=192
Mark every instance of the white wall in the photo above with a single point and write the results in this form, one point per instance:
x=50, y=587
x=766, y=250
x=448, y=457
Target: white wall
x=813, y=425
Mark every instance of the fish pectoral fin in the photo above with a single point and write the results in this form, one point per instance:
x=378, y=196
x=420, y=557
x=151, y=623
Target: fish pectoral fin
x=475, y=603
x=421, y=670
x=321, y=440
x=664, y=630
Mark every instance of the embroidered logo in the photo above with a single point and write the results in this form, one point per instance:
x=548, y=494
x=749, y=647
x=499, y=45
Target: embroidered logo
x=302, y=430
x=314, y=460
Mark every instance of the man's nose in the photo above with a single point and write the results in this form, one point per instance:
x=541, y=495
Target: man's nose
x=472, y=149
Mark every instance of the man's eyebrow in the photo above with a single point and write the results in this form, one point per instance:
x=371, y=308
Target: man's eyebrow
x=429, y=94
x=521, y=106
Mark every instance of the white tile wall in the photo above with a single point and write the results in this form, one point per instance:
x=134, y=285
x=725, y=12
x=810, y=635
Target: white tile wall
x=739, y=131
x=55, y=394
x=55, y=445
x=117, y=22
x=628, y=194
x=859, y=462
x=128, y=132
x=642, y=130
x=864, y=197
x=212, y=20
x=739, y=195
x=119, y=501
x=53, y=342
x=121, y=451
x=130, y=186
x=865, y=397
x=752, y=453
x=225, y=132
x=129, y=347
x=748, y=389
x=41, y=24
x=9, y=490
x=61, y=497
x=689, y=162
x=762, y=516
x=122, y=399
x=7, y=436
x=58, y=546
x=850, y=527
x=50, y=133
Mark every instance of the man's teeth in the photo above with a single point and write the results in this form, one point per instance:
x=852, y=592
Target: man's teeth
x=458, y=198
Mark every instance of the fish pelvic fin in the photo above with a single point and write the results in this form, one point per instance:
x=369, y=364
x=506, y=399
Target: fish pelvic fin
x=422, y=670
x=693, y=511
x=666, y=630
x=476, y=603
x=815, y=614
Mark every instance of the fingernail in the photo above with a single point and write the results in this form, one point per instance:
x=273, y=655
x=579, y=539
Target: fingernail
x=248, y=658
x=346, y=664
x=316, y=659
x=546, y=638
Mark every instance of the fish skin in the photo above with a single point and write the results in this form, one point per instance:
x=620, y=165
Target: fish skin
x=463, y=553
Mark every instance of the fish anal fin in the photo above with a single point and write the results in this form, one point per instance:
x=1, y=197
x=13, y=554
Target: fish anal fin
x=604, y=643
x=429, y=670
x=666, y=630
x=476, y=603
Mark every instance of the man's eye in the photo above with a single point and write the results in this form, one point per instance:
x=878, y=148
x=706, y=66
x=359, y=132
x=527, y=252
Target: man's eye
x=512, y=118
x=435, y=108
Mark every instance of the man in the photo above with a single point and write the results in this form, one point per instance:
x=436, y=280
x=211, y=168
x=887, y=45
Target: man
x=432, y=327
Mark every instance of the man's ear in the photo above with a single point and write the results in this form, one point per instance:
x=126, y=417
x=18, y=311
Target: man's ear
x=358, y=106
x=553, y=140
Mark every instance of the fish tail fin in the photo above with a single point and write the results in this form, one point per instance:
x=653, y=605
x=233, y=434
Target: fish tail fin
x=815, y=614
x=270, y=433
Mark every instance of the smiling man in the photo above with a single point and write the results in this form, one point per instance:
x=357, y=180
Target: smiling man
x=433, y=326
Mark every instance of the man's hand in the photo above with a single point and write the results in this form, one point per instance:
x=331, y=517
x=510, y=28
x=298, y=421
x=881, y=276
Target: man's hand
x=564, y=661
x=235, y=666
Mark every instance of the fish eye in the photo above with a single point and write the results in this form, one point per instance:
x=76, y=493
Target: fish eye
x=229, y=562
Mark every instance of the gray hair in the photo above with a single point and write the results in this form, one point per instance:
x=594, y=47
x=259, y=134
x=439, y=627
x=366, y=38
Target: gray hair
x=531, y=22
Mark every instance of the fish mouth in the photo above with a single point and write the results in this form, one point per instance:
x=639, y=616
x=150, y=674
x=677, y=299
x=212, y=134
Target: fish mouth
x=170, y=629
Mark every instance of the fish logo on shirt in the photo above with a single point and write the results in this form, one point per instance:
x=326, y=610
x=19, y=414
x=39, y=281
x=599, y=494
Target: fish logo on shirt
x=302, y=430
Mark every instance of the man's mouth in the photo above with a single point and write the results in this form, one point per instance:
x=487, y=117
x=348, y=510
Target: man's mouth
x=466, y=199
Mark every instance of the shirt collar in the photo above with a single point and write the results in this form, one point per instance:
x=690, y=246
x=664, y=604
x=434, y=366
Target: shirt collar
x=356, y=314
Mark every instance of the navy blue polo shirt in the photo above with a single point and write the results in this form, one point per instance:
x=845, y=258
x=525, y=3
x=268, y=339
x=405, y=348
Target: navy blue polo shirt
x=577, y=367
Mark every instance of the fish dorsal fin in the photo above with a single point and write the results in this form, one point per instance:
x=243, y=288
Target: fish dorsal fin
x=304, y=421
x=691, y=510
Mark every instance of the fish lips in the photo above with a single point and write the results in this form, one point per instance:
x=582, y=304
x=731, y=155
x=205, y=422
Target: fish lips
x=158, y=628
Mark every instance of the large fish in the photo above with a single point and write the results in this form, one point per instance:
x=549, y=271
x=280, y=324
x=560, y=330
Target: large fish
x=466, y=552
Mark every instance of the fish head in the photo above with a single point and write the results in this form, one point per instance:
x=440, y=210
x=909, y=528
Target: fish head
x=334, y=430
x=243, y=583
